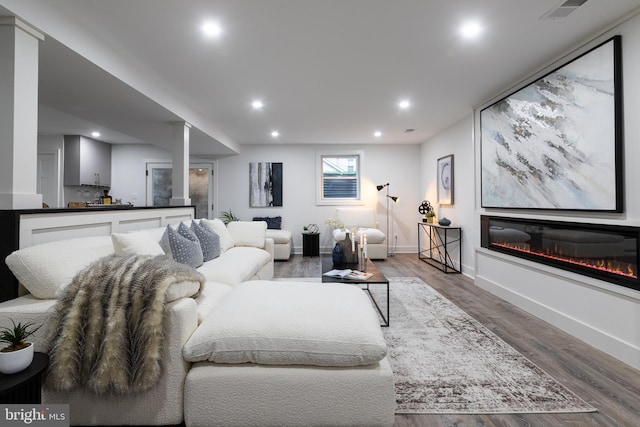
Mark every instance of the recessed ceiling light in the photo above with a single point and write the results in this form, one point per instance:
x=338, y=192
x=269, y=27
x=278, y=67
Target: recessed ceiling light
x=95, y=134
x=275, y=134
x=471, y=30
x=377, y=134
x=257, y=105
x=404, y=104
x=212, y=29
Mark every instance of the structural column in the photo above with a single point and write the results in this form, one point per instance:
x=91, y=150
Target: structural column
x=18, y=114
x=180, y=174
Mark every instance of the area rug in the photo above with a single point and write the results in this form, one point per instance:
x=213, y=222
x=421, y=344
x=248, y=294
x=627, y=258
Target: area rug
x=444, y=361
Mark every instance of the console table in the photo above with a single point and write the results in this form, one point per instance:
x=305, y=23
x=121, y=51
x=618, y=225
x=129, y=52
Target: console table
x=440, y=240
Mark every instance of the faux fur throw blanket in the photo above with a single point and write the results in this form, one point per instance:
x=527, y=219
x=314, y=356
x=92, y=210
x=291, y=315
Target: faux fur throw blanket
x=108, y=328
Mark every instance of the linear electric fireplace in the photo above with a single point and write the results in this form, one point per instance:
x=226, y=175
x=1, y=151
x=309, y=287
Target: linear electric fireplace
x=605, y=252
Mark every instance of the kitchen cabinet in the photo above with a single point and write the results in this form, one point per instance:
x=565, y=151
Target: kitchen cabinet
x=86, y=161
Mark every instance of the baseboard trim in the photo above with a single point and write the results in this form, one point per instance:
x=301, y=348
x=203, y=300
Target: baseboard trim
x=603, y=341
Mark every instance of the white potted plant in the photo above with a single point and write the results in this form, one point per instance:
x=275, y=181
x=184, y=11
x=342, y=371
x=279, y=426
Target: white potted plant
x=18, y=355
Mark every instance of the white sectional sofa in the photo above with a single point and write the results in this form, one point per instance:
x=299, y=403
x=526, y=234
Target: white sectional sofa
x=239, y=315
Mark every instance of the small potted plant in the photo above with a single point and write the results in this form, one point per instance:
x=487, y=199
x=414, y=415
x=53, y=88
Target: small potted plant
x=426, y=209
x=430, y=216
x=228, y=216
x=18, y=355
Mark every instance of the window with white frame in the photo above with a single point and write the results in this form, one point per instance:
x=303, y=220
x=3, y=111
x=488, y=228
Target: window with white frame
x=339, y=177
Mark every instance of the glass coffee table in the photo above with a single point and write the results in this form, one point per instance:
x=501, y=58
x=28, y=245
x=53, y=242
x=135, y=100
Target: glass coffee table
x=378, y=279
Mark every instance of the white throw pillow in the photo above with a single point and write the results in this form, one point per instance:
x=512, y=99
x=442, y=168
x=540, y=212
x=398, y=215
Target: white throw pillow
x=248, y=233
x=136, y=243
x=226, y=241
x=44, y=268
x=290, y=323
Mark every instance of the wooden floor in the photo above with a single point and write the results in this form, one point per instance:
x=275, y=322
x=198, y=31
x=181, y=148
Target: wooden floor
x=607, y=384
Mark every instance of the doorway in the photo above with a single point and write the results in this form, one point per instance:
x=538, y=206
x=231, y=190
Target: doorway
x=48, y=180
x=159, y=186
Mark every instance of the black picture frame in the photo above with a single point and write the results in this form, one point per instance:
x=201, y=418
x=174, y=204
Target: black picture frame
x=556, y=143
x=265, y=184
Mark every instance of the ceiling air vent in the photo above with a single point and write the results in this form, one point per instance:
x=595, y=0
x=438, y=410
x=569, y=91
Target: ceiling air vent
x=563, y=9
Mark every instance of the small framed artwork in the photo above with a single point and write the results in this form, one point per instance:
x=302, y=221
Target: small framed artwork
x=445, y=180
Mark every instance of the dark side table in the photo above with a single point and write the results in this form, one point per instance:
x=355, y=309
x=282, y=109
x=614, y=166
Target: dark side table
x=310, y=244
x=24, y=386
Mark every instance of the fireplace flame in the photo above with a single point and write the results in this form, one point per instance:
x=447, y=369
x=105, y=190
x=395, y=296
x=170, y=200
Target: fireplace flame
x=610, y=266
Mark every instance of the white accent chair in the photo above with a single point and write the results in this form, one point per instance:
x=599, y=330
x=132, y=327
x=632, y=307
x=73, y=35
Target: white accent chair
x=364, y=220
x=281, y=238
x=282, y=243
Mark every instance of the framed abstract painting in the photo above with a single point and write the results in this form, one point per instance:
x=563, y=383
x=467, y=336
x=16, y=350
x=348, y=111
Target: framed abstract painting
x=265, y=184
x=445, y=180
x=557, y=142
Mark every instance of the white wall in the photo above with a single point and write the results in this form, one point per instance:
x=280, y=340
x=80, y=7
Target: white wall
x=397, y=164
x=128, y=166
x=456, y=140
x=604, y=315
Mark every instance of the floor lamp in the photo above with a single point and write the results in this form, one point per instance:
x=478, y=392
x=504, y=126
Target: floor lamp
x=395, y=200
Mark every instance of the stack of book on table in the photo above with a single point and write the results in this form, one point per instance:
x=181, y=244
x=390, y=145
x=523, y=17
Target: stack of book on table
x=348, y=274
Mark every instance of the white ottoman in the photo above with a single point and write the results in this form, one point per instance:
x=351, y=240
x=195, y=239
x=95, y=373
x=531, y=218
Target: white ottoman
x=317, y=358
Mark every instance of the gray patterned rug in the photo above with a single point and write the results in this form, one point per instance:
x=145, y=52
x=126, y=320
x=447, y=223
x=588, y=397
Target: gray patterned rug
x=446, y=362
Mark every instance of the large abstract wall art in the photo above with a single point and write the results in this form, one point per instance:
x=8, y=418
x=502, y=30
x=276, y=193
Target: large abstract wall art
x=265, y=184
x=557, y=143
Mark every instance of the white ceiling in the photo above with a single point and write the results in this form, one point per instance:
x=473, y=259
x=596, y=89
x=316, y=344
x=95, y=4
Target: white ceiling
x=328, y=71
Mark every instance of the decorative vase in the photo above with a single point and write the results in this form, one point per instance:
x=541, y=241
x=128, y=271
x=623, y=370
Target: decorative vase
x=16, y=361
x=430, y=219
x=444, y=221
x=349, y=256
x=337, y=254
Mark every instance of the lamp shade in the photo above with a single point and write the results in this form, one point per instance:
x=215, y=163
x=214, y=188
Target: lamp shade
x=380, y=187
x=394, y=198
